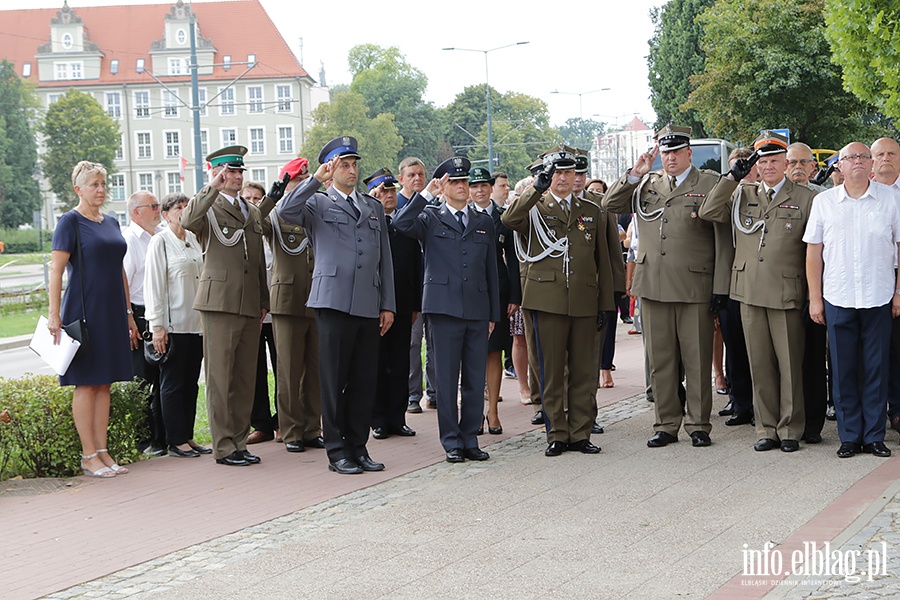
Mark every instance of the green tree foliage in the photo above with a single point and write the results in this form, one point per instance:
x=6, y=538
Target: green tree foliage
x=346, y=114
x=76, y=128
x=675, y=55
x=865, y=43
x=768, y=65
x=579, y=132
x=390, y=85
x=19, y=192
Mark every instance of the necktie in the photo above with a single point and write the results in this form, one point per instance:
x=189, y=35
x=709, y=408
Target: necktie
x=564, y=204
x=353, y=208
x=240, y=206
x=770, y=194
x=388, y=217
x=672, y=183
x=459, y=217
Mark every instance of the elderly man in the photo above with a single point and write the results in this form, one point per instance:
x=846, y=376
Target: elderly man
x=353, y=295
x=568, y=283
x=802, y=165
x=143, y=208
x=678, y=271
x=767, y=279
x=232, y=298
x=857, y=223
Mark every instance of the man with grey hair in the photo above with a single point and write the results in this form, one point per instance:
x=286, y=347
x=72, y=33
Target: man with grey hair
x=801, y=165
x=143, y=211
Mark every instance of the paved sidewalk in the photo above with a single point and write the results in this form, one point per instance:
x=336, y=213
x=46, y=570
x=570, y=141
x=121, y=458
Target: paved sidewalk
x=631, y=522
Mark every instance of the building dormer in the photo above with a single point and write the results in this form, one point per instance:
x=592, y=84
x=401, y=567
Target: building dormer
x=171, y=54
x=70, y=54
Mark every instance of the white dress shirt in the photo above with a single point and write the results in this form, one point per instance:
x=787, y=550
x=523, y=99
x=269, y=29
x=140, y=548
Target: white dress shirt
x=137, y=240
x=171, y=281
x=860, y=239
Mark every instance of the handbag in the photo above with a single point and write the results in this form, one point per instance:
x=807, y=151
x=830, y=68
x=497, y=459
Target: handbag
x=78, y=329
x=150, y=354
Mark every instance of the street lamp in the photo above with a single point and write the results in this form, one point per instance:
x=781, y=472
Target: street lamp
x=487, y=85
x=580, y=112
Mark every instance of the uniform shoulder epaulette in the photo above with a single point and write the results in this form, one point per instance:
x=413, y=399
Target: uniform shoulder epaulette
x=710, y=172
x=433, y=206
x=591, y=201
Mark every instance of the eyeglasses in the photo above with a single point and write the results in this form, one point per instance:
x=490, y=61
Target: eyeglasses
x=855, y=157
x=803, y=161
x=150, y=206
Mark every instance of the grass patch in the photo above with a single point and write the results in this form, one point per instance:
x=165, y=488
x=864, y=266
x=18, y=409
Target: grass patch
x=19, y=323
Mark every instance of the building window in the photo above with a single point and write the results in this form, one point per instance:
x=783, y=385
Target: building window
x=120, y=151
x=229, y=137
x=69, y=70
x=257, y=140
x=286, y=139
x=170, y=104
x=116, y=186
x=139, y=65
x=144, y=145
x=142, y=105
x=114, y=66
x=120, y=216
x=204, y=143
x=114, y=104
x=226, y=101
x=226, y=62
x=173, y=144
x=173, y=179
x=254, y=99
x=26, y=70
x=67, y=41
x=145, y=182
x=181, y=37
x=51, y=98
x=201, y=101
x=284, y=98
x=251, y=58
x=259, y=176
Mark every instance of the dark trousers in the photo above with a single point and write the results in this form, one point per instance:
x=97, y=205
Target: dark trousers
x=261, y=416
x=894, y=378
x=392, y=393
x=150, y=374
x=815, y=378
x=608, y=352
x=737, y=363
x=178, y=385
x=348, y=373
x=461, y=343
x=860, y=343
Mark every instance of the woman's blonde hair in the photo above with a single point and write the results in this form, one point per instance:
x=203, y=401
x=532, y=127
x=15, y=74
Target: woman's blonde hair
x=84, y=170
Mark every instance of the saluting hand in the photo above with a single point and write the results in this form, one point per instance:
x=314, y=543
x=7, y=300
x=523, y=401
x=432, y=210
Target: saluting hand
x=436, y=186
x=326, y=170
x=645, y=162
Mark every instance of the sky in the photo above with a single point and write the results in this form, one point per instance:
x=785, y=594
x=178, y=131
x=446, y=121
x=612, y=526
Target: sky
x=585, y=47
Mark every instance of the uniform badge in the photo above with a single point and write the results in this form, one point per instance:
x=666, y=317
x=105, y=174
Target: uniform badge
x=694, y=214
x=550, y=205
x=587, y=236
x=502, y=238
x=292, y=239
x=225, y=230
x=345, y=140
x=748, y=221
x=788, y=226
x=580, y=226
x=457, y=161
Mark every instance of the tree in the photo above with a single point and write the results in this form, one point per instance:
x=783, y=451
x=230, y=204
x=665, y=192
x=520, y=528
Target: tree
x=346, y=114
x=579, y=132
x=865, y=43
x=19, y=192
x=390, y=85
x=675, y=55
x=768, y=65
x=76, y=128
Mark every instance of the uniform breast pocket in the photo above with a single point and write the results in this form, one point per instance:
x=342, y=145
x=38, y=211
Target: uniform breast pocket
x=338, y=221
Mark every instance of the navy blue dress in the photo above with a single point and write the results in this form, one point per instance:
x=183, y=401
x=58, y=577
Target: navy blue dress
x=108, y=357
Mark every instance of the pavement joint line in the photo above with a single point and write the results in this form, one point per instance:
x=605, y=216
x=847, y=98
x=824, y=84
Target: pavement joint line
x=238, y=545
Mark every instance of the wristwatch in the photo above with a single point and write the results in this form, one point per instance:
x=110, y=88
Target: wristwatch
x=128, y=311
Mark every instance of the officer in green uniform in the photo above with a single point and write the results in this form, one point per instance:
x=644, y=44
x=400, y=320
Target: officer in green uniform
x=769, y=280
x=567, y=282
x=674, y=276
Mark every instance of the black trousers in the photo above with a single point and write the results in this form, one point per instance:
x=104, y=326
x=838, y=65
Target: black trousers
x=348, y=373
x=392, y=392
x=815, y=383
x=261, y=415
x=150, y=374
x=178, y=386
x=737, y=363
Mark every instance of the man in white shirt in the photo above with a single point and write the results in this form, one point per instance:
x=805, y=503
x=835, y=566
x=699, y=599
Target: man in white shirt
x=143, y=208
x=854, y=225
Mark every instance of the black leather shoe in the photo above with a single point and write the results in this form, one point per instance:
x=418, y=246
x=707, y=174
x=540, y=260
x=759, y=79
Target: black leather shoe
x=727, y=411
x=176, y=451
x=790, y=445
x=476, y=454
x=848, y=449
x=154, y=450
x=585, y=447
x=555, y=449
x=812, y=438
x=380, y=433
x=739, y=419
x=877, y=449
x=202, y=449
x=316, y=442
x=235, y=459
x=368, y=464
x=765, y=444
x=251, y=458
x=404, y=431
x=700, y=439
x=660, y=439
x=294, y=446
x=596, y=428
x=455, y=456
x=538, y=418
x=344, y=466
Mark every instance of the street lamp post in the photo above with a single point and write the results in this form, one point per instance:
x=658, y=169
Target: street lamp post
x=580, y=112
x=487, y=85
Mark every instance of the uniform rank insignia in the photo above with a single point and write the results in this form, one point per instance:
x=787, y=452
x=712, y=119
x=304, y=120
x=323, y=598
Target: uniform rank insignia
x=480, y=231
x=373, y=217
x=502, y=238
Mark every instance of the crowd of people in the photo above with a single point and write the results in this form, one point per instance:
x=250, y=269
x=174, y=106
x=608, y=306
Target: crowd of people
x=340, y=288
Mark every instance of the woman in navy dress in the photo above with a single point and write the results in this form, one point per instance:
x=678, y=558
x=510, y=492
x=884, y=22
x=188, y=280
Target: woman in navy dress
x=107, y=356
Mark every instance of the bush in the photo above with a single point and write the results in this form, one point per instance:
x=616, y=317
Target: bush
x=18, y=241
x=37, y=431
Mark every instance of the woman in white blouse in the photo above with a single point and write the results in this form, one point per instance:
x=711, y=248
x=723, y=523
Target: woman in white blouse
x=171, y=278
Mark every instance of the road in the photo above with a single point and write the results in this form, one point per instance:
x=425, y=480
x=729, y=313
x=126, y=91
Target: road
x=17, y=362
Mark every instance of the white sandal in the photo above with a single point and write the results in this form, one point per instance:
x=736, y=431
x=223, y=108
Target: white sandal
x=102, y=473
x=115, y=466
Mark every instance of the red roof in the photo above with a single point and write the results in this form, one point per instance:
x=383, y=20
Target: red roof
x=636, y=125
x=236, y=28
